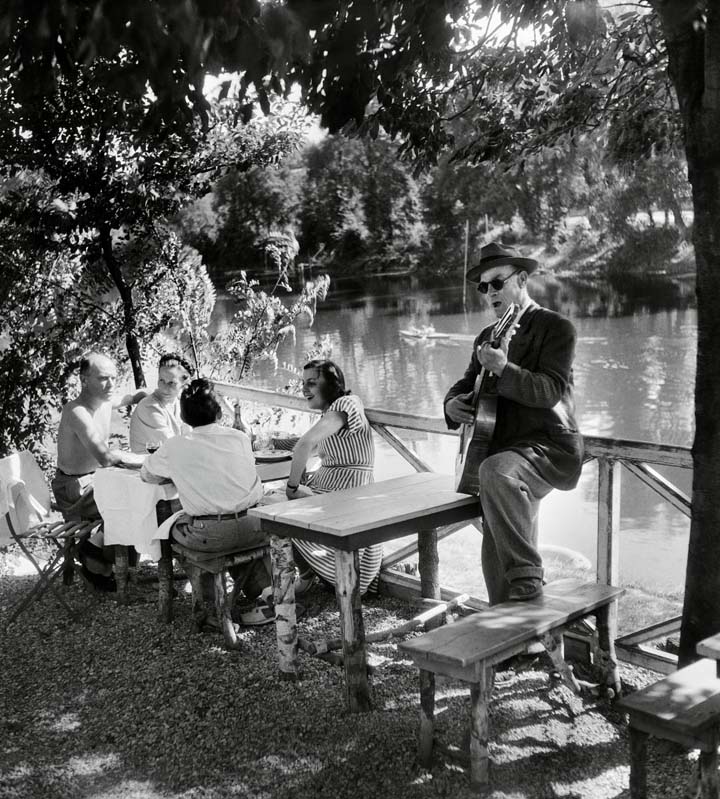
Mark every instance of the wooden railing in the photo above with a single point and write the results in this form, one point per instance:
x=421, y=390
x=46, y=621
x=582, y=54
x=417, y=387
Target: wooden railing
x=636, y=457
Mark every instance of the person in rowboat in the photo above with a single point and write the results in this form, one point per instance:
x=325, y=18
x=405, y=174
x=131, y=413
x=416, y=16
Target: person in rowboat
x=535, y=444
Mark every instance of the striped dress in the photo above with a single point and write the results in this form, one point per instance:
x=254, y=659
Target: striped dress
x=347, y=459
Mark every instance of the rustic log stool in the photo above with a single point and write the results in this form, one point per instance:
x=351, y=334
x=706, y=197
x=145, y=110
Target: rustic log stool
x=468, y=649
x=198, y=563
x=684, y=707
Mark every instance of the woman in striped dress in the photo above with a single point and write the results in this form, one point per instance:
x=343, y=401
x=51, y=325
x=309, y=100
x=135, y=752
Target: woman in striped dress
x=343, y=441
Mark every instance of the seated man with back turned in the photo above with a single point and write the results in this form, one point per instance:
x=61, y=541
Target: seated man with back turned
x=157, y=417
x=82, y=447
x=535, y=445
x=213, y=469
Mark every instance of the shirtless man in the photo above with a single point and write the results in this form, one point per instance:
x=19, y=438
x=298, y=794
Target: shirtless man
x=82, y=447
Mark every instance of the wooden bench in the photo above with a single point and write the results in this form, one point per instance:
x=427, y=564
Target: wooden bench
x=468, y=649
x=710, y=648
x=198, y=563
x=684, y=707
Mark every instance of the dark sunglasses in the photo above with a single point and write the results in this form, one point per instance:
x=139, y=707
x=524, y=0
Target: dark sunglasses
x=496, y=283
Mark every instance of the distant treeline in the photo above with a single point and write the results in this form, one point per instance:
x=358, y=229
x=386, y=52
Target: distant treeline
x=351, y=206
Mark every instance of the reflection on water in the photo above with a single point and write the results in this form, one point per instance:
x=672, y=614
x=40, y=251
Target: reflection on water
x=634, y=376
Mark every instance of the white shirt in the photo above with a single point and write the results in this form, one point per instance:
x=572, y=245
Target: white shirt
x=153, y=422
x=213, y=469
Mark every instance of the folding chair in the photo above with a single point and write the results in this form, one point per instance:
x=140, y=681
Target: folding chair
x=26, y=512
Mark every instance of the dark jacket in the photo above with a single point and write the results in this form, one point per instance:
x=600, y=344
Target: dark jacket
x=536, y=407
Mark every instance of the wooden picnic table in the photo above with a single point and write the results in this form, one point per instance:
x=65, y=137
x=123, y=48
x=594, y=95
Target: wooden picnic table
x=125, y=526
x=358, y=517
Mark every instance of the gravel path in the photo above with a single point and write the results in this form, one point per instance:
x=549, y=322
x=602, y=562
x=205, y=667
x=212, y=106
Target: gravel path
x=119, y=706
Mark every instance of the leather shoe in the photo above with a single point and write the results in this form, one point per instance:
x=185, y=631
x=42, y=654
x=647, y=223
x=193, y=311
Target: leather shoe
x=525, y=589
x=99, y=581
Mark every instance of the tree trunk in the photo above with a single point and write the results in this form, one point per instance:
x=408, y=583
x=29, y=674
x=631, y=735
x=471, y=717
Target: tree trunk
x=678, y=217
x=701, y=610
x=694, y=66
x=132, y=343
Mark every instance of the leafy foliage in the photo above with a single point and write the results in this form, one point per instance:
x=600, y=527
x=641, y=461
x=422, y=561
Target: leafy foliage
x=87, y=205
x=342, y=55
x=578, y=68
x=360, y=205
x=261, y=322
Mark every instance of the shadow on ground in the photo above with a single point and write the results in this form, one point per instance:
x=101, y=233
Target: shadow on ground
x=119, y=706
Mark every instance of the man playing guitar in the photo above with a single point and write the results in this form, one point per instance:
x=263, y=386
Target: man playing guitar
x=535, y=444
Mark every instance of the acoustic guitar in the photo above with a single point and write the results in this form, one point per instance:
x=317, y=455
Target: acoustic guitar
x=475, y=436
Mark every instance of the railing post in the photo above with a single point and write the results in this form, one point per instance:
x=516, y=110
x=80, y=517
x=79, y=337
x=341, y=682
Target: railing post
x=608, y=533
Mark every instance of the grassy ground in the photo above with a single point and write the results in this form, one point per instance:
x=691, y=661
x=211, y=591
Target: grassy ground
x=119, y=706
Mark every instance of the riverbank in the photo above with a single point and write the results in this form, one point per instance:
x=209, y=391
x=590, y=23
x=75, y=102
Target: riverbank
x=654, y=251
x=119, y=706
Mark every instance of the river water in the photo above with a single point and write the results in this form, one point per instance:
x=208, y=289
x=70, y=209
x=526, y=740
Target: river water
x=634, y=378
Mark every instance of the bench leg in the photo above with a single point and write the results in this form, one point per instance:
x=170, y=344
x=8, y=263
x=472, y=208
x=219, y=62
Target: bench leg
x=223, y=612
x=607, y=632
x=553, y=644
x=283, y=580
x=480, y=694
x=708, y=787
x=198, y=610
x=638, y=764
x=427, y=718
x=347, y=591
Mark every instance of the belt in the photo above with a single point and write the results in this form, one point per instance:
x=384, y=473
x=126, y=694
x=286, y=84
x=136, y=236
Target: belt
x=67, y=474
x=220, y=517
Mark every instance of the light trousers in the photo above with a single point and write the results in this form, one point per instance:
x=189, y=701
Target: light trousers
x=510, y=494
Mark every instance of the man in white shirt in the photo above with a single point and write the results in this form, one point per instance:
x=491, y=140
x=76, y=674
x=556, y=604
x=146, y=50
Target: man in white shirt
x=157, y=417
x=213, y=469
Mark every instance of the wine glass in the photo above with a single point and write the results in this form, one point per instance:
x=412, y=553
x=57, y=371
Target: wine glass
x=263, y=440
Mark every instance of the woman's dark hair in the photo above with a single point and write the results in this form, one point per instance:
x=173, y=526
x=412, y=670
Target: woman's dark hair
x=174, y=359
x=198, y=403
x=334, y=385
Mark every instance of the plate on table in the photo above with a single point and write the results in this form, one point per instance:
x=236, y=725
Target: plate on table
x=272, y=455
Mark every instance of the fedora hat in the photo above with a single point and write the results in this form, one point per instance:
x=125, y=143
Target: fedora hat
x=495, y=254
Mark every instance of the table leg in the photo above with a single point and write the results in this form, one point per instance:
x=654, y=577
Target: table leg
x=165, y=582
x=283, y=578
x=347, y=590
x=163, y=511
x=428, y=566
x=607, y=631
x=121, y=573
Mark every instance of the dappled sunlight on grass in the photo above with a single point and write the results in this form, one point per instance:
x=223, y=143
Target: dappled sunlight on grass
x=85, y=765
